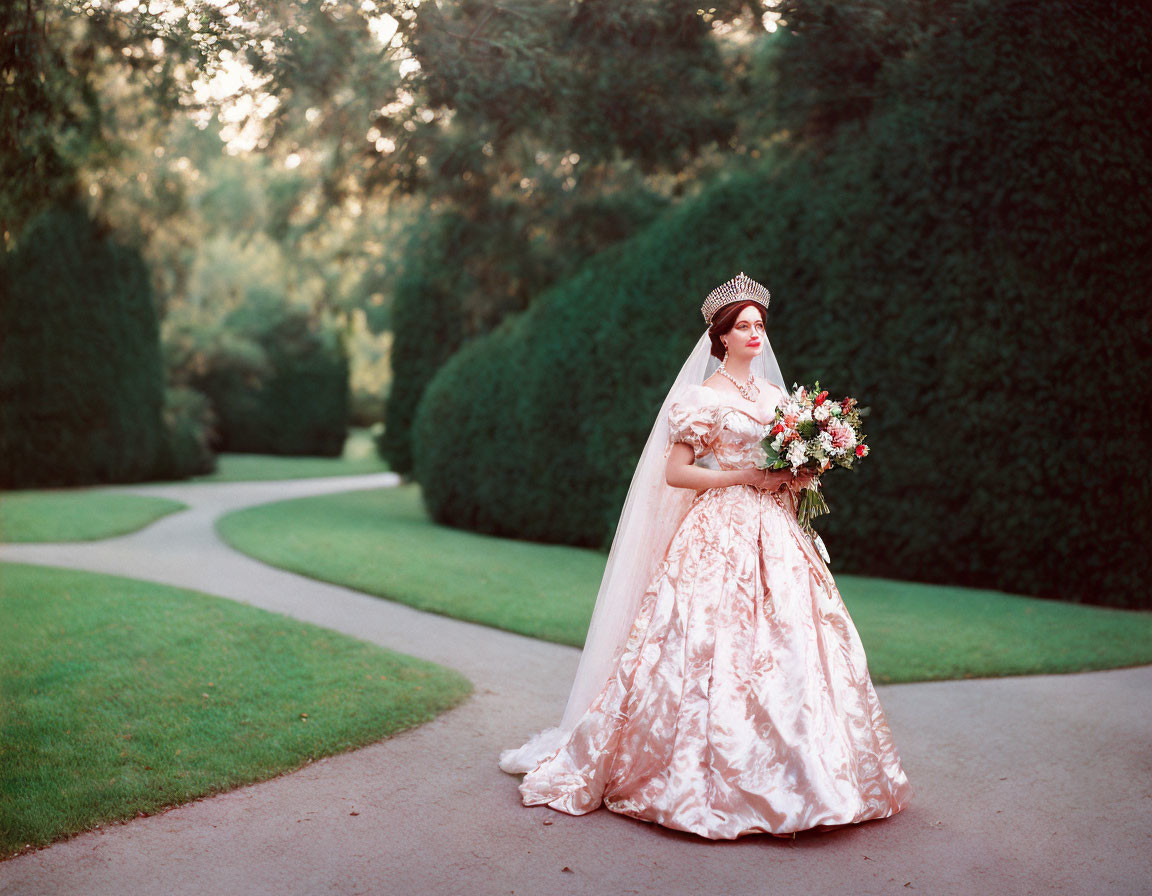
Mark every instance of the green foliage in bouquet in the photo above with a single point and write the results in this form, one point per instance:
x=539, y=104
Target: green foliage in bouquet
x=965, y=246
x=807, y=428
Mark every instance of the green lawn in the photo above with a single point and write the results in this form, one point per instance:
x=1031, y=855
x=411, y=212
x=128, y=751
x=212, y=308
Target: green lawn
x=381, y=542
x=85, y=514
x=122, y=697
x=359, y=457
x=77, y=515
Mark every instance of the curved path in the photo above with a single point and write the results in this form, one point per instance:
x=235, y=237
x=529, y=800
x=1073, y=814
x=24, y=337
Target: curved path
x=1024, y=785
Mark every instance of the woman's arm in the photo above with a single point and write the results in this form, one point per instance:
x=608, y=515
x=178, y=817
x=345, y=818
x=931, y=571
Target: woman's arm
x=681, y=472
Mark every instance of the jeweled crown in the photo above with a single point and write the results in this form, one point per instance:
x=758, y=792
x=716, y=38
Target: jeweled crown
x=739, y=289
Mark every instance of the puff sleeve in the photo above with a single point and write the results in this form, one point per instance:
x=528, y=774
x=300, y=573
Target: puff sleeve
x=694, y=418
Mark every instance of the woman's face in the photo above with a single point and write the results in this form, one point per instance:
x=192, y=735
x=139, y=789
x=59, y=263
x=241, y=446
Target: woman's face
x=746, y=338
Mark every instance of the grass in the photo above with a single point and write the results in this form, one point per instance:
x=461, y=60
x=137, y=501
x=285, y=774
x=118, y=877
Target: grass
x=87, y=515
x=918, y=632
x=76, y=515
x=382, y=542
x=122, y=697
x=359, y=458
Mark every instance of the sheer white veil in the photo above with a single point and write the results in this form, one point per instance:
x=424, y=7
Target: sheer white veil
x=652, y=511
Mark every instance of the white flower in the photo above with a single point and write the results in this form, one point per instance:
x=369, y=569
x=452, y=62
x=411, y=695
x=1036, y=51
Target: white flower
x=825, y=440
x=797, y=453
x=820, y=413
x=805, y=415
x=777, y=442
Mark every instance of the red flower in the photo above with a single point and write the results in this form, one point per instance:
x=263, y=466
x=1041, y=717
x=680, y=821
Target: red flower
x=777, y=429
x=859, y=450
x=819, y=399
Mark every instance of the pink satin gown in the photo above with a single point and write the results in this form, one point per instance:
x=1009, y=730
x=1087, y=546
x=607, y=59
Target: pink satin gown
x=741, y=702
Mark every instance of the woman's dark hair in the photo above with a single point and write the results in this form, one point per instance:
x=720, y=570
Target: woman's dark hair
x=725, y=319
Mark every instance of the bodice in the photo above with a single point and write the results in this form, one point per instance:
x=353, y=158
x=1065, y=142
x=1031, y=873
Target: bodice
x=700, y=418
x=737, y=442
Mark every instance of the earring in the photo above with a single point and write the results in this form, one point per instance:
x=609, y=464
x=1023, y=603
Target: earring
x=725, y=361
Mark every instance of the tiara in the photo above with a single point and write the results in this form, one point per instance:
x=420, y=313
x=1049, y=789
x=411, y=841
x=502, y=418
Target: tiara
x=738, y=289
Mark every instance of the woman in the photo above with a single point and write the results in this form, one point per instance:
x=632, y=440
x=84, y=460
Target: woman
x=723, y=689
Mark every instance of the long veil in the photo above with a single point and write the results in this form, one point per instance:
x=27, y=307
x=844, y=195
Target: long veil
x=652, y=511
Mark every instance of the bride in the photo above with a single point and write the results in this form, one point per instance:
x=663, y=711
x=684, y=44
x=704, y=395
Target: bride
x=723, y=689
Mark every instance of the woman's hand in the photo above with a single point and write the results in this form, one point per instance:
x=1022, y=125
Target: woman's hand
x=768, y=480
x=680, y=471
x=804, y=477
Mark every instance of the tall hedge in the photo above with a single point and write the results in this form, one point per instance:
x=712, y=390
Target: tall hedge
x=81, y=380
x=428, y=326
x=462, y=274
x=972, y=259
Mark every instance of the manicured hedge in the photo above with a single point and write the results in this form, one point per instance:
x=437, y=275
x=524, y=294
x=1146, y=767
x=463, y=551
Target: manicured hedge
x=972, y=260
x=462, y=274
x=428, y=326
x=297, y=400
x=81, y=381
x=189, y=425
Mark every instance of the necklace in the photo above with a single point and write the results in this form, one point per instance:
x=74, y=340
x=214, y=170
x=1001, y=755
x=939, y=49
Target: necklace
x=745, y=389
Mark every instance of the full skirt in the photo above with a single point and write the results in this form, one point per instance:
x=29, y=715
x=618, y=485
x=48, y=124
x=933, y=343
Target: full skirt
x=741, y=702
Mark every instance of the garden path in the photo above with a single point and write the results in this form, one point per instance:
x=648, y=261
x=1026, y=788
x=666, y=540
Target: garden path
x=1029, y=785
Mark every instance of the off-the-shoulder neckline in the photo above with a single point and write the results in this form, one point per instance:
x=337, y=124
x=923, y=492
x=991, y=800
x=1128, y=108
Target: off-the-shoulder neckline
x=741, y=410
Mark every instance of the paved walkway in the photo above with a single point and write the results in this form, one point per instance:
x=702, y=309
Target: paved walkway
x=1029, y=785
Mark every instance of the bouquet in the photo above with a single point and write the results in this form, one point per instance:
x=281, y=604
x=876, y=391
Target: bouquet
x=811, y=431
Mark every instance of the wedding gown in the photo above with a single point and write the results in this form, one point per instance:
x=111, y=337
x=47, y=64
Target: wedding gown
x=741, y=702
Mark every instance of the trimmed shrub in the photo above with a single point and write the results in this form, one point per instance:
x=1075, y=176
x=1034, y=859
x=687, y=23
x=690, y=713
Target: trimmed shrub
x=302, y=407
x=189, y=427
x=81, y=380
x=428, y=297
x=451, y=290
x=972, y=260
x=276, y=375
